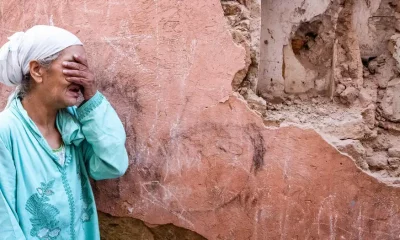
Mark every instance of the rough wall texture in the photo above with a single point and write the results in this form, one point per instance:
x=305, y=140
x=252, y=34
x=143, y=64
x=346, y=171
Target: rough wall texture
x=333, y=66
x=244, y=17
x=200, y=158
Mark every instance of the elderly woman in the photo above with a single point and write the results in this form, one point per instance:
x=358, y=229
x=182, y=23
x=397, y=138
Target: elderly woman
x=49, y=147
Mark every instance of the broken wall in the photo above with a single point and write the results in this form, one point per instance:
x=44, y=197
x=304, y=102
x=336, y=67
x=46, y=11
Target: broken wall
x=201, y=157
x=335, y=69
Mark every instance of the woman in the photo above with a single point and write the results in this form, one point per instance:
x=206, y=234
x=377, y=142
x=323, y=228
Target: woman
x=49, y=147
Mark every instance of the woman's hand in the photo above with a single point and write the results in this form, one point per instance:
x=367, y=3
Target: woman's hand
x=78, y=72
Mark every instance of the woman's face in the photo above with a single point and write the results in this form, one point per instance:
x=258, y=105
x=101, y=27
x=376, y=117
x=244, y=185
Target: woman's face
x=54, y=87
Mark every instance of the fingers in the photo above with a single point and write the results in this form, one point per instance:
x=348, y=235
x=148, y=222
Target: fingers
x=81, y=60
x=74, y=65
x=88, y=88
x=77, y=80
x=78, y=72
x=75, y=73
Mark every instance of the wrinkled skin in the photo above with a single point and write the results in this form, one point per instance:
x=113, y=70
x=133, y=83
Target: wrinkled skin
x=77, y=70
x=67, y=75
x=56, y=87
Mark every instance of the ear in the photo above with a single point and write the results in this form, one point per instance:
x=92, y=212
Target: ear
x=36, y=71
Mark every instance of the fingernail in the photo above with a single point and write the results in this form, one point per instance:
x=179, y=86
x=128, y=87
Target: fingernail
x=64, y=63
x=64, y=71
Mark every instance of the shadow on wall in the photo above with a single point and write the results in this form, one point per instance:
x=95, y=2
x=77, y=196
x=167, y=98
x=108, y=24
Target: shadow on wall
x=117, y=228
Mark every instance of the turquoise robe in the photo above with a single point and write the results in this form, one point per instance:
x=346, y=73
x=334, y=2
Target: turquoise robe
x=41, y=199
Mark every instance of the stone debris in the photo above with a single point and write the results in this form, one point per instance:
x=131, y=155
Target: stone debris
x=394, y=152
x=394, y=48
x=244, y=19
x=333, y=67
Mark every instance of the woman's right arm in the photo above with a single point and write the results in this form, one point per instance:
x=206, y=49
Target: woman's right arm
x=9, y=224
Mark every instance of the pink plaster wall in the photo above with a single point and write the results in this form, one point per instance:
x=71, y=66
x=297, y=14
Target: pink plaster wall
x=199, y=157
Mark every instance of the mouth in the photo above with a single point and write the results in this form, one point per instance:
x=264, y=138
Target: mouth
x=74, y=90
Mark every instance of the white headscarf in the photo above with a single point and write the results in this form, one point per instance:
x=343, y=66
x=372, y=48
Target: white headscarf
x=36, y=43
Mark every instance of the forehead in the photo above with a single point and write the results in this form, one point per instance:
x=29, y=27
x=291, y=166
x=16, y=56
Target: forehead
x=69, y=52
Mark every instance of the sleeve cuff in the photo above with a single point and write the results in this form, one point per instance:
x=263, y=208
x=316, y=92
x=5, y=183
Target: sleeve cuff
x=89, y=106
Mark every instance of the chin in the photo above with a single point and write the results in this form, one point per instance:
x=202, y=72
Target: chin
x=71, y=102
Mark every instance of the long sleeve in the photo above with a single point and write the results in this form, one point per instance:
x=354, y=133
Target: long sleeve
x=9, y=225
x=104, y=148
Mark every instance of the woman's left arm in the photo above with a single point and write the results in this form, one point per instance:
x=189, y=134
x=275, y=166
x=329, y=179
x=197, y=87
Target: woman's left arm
x=104, y=149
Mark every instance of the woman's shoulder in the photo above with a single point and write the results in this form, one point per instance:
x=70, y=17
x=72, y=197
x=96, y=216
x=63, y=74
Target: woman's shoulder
x=6, y=117
x=8, y=124
x=8, y=121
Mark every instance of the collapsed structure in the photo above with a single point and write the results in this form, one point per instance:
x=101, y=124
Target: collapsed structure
x=327, y=65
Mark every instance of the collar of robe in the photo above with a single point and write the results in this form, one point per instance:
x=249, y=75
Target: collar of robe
x=66, y=122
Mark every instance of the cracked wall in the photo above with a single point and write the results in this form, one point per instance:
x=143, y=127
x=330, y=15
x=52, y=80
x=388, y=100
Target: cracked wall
x=244, y=17
x=201, y=157
x=333, y=66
